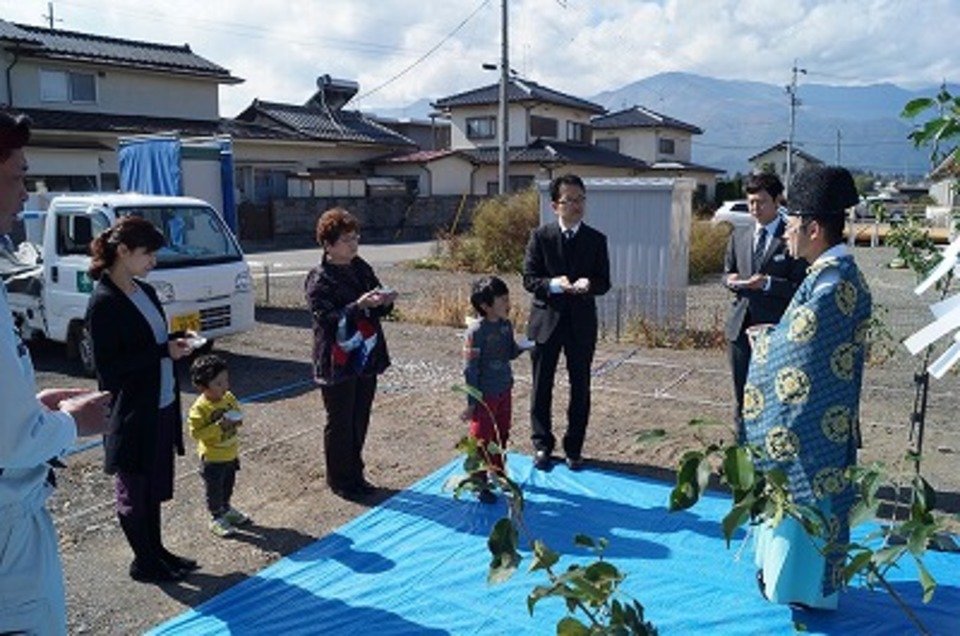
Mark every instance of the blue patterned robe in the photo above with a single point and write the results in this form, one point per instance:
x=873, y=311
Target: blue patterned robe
x=801, y=405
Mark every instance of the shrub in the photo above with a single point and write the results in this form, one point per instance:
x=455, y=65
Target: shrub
x=708, y=242
x=498, y=240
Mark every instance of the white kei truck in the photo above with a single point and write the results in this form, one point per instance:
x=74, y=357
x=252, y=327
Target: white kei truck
x=201, y=276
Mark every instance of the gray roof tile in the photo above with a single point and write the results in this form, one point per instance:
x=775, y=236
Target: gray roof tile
x=40, y=42
x=317, y=124
x=640, y=117
x=518, y=90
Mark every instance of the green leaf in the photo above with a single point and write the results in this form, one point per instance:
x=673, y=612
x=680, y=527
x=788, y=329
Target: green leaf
x=738, y=469
x=916, y=106
x=602, y=571
x=885, y=557
x=569, y=626
x=856, y=565
x=737, y=516
x=687, y=491
x=926, y=581
x=502, y=543
x=584, y=541
x=704, y=471
x=473, y=392
x=650, y=435
x=863, y=512
x=543, y=557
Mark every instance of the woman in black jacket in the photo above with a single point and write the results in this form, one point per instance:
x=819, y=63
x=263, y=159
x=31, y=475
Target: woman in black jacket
x=134, y=359
x=349, y=349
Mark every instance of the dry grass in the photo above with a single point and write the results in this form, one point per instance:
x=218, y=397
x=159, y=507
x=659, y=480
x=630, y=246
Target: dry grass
x=708, y=242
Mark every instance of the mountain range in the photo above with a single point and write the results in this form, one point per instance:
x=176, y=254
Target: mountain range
x=859, y=124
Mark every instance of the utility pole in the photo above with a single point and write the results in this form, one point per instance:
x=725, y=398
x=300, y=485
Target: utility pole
x=504, y=174
x=49, y=16
x=794, y=102
x=839, y=137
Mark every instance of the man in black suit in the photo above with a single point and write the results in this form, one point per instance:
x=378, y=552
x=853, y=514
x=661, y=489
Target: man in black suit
x=761, y=274
x=565, y=268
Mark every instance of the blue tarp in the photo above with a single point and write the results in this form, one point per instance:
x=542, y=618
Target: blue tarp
x=416, y=565
x=151, y=166
x=226, y=185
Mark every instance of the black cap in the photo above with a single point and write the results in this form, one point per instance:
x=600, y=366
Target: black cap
x=822, y=191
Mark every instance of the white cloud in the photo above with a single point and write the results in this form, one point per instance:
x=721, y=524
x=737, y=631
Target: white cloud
x=579, y=46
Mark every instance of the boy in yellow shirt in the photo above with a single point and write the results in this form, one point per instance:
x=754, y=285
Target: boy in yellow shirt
x=214, y=419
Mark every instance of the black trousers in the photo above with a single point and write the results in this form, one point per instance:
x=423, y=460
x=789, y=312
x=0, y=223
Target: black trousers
x=738, y=353
x=219, y=479
x=578, y=352
x=348, y=406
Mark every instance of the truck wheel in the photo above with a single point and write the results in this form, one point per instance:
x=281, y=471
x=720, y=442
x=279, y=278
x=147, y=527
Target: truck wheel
x=80, y=346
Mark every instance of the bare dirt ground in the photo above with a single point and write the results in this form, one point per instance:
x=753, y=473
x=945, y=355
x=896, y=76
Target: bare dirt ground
x=413, y=432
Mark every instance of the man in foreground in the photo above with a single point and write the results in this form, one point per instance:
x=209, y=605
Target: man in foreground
x=802, y=396
x=36, y=429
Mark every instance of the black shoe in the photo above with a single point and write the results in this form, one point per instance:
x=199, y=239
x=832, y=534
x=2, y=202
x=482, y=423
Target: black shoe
x=575, y=463
x=365, y=487
x=541, y=460
x=175, y=562
x=157, y=573
x=350, y=493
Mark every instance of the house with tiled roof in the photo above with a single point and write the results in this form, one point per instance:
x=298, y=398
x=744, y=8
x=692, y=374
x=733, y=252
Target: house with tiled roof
x=775, y=158
x=550, y=132
x=83, y=92
x=664, y=143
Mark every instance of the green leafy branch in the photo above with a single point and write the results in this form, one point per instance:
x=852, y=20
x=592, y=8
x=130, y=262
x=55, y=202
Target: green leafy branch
x=590, y=590
x=761, y=496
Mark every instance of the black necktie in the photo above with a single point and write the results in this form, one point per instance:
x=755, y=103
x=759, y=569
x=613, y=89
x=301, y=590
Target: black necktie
x=759, y=248
x=568, y=235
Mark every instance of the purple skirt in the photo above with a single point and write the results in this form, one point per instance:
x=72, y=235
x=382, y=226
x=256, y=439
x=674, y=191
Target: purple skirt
x=136, y=492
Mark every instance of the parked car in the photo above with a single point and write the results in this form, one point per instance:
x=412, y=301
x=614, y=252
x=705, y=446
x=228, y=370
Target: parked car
x=736, y=213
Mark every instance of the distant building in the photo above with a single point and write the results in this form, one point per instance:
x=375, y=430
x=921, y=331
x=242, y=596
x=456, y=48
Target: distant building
x=664, y=143
x=775, y=159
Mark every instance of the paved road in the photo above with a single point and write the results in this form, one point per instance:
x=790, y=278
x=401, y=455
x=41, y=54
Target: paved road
x=303, y=259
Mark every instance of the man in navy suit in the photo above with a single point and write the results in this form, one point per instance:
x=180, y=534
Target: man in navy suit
x=565, y=268
x=760, y=273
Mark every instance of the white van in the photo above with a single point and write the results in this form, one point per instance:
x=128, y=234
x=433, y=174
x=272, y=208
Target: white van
x=201, y=276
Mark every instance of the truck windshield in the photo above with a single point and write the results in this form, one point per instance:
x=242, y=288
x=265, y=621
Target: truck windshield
x=195, y=235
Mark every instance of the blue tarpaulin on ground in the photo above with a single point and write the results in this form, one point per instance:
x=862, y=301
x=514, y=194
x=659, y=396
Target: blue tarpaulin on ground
x=151, y=166
x=416, y=565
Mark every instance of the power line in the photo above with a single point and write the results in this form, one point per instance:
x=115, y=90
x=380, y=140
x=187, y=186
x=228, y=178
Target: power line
x=427, y=54
x=249, y=31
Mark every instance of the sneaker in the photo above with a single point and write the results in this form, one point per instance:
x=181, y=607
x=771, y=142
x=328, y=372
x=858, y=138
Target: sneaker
x=487, y=496
x=236, y=518
x=222, y=528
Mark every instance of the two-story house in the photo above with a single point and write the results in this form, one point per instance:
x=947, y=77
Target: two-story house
x=83, y=92
x=774, y=159
x=549, y=133
x=664, y=143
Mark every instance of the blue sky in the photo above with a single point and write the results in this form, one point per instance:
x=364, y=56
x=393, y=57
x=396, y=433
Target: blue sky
x=578, y=46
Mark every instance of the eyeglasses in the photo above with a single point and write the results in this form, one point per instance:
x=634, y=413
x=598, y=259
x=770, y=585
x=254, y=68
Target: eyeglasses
x=573, y=201
x=349, y=238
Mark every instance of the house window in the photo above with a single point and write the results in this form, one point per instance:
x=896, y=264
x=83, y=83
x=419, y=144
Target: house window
x=611, y=143
x=578, y=132
x=68, y=86
x=543, y=127
x=667, y=146
x=481, y=127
